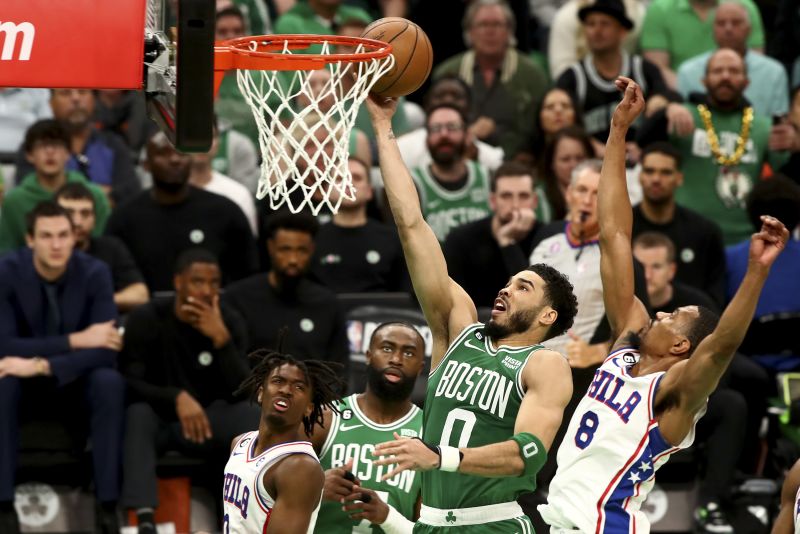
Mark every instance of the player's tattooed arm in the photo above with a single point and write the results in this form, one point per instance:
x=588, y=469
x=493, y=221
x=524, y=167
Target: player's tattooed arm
x=297, y=482
x=447, y=308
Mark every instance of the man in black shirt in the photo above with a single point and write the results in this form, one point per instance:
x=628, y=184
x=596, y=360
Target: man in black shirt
x=285, y=297
x=656, y=252
x=484, y=254
x=699, y=248
x=355, y=254
x=591, y=80
x=129, y=287
x=158, y=224
x=183, y=359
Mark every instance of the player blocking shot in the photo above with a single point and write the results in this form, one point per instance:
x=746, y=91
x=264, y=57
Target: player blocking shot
x=356, y=498
x=273, y=480
x=652, y=388
x=495, y=396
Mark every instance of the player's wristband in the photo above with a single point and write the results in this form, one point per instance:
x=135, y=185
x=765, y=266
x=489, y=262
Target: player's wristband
x=532, y=452
x=396, y=523
x=450, y=458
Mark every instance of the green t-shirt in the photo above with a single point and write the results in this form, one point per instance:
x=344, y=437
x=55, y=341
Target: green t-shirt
x=256, y=14
x=673, y=26
x=472, y=400
x=353, y=435
x=23, y=198
x=300, y=18
x=444, y=209
x=717, y=192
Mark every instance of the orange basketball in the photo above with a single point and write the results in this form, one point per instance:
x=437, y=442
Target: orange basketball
x=413, y=55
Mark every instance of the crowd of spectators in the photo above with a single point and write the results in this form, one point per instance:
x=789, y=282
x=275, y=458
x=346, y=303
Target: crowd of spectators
x=104, y=224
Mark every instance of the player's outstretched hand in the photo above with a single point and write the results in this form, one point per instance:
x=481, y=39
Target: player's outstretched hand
x=364, y=503
x=768, y=242
x=381, y=107
x=407, y=454
x=632, y=103
x=338, y=484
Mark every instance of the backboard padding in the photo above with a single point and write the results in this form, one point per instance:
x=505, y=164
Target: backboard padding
x=74, y=43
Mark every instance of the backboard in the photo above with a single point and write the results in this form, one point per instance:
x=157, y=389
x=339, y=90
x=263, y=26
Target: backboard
x=124, y=44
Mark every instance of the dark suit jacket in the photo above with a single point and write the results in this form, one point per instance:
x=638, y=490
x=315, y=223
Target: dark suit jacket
x=86, y=296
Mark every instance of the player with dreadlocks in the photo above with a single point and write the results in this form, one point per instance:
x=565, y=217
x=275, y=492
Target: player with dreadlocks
x=273, y=480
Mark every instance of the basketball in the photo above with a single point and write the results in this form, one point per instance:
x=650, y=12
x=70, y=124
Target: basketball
x=413, y=55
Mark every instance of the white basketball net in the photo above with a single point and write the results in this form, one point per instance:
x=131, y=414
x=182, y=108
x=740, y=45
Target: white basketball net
x=304, y=129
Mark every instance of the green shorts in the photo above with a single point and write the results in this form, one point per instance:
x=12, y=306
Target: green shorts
x=509, y=519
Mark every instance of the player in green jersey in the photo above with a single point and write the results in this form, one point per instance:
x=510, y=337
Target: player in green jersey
x=495, y=397
x=356, y=499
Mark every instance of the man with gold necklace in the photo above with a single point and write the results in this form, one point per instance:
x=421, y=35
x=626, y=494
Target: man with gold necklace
x=723, y=142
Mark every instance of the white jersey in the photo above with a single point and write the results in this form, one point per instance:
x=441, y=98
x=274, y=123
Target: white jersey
x=246, y=503
x=796, y=514
x=610, y=453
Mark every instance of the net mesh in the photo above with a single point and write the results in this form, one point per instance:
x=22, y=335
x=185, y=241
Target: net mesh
x=305, y=119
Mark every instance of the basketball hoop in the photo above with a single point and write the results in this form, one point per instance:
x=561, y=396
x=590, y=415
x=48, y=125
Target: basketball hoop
x=305, y=107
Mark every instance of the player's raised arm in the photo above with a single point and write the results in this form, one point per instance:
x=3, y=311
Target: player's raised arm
x=625, y=312
x=702, y=372
x=446, y=306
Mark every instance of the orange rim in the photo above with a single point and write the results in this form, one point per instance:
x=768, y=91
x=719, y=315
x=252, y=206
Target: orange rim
x=238, y=54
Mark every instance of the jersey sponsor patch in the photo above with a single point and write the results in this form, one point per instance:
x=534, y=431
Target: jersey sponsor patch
x=511, y=363
x=409, y=433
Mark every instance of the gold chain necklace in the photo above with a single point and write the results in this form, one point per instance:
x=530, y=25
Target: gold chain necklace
x=713, y=140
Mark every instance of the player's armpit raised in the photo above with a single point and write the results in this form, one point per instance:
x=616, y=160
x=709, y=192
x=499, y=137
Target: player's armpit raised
x=297, y=482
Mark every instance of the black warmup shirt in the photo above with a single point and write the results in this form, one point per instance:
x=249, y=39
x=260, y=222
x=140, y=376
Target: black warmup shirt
x=316, y=325
x=699, y=249
x=156, y=234
x=116, y=255
x=359, y=259
x=163, y=355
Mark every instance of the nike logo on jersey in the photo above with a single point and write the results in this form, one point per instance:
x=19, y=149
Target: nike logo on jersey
x=469, y=344
x=345, y=428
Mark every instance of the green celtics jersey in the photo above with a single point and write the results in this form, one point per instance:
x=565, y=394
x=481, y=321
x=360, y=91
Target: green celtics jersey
x=354, y=436
x=472, y=400
x=444, y=209
x=718, y=192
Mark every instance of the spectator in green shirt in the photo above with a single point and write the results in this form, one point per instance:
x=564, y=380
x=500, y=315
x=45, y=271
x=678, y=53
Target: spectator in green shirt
x=318, y=17
x=47, y=149
x=723, y=143
x=676, y=30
